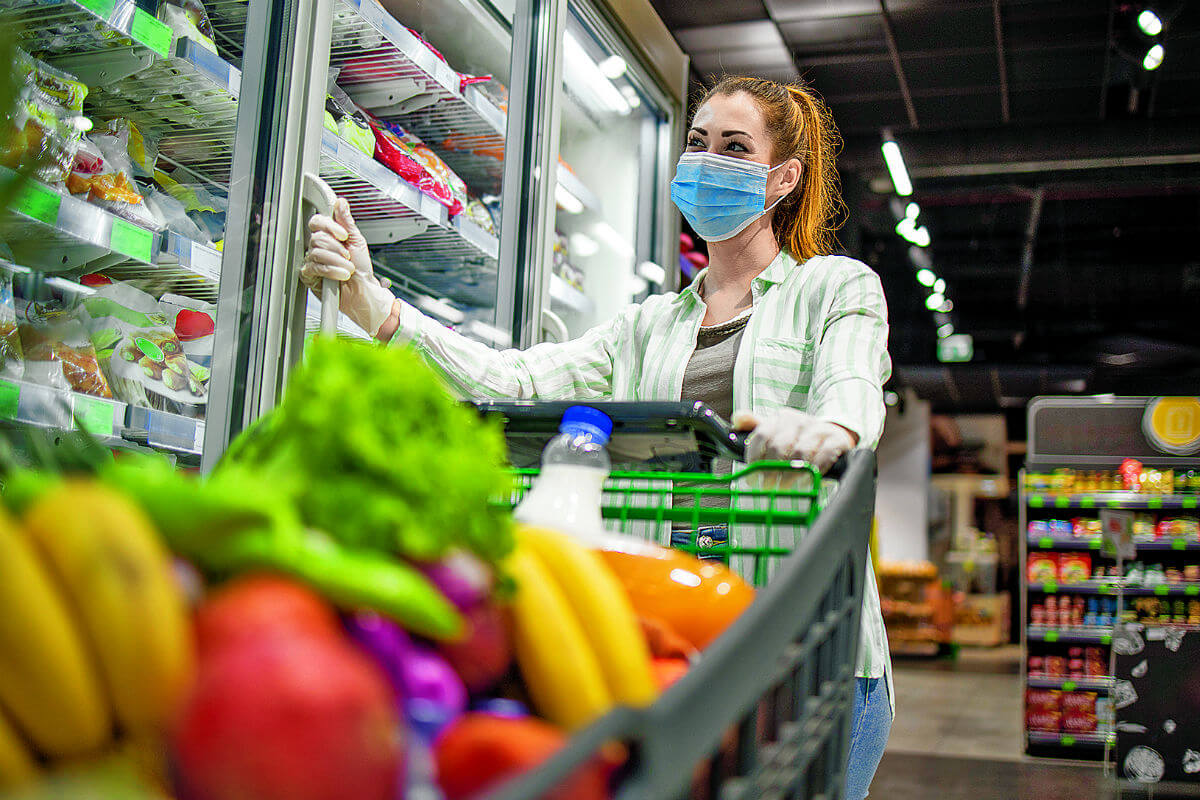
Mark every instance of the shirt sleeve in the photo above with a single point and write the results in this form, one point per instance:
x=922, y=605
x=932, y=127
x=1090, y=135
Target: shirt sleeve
x=580, y=369
x=852, y=360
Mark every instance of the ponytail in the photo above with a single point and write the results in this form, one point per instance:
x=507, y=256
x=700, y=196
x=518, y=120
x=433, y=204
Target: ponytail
x=800, y=126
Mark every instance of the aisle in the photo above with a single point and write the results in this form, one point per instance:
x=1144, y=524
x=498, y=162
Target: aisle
x=908, y=775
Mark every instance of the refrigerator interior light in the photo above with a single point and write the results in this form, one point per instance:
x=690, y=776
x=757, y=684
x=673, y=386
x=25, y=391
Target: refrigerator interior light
x=440, y=309
x=569, y=202
x=583, y=245
x=614, y=239
x=588, y=81
x=637, y=284
x=652, y=272
x=613, y=67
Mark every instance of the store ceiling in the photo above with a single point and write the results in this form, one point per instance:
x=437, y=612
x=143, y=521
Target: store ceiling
x=994, y=103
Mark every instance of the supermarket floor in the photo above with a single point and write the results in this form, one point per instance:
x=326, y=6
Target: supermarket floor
x=957, y=736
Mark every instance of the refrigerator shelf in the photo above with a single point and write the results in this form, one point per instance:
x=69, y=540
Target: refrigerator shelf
x=163, y=430
x=1084, y=634
x=1111, y=587
x=566, y=294
x=388, y=70
x=1127, y=500
x=52, y=232
x=1097, y=543
x=48, y=407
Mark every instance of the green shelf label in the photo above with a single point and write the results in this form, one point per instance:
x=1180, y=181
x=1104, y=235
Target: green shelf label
x=1069, y=686
x=1188, y=502
x=39, y=202
x=1191, y=589
x=1096, y=543
x=101, y=8
x=1087, y=502
x=96, y=416
x=1179, y=543
x=10, y=395
x=150, y=32
x=1154, y=502
x=1106, y=638
x=1050, y=586
x=1161, y=590
x=1037, y=501
x=133, y=241
x=1045, y=541
x=1114, y=503
x=1062, y=502
x=1105, y=588
x=1068, y=741
x=1051, y=636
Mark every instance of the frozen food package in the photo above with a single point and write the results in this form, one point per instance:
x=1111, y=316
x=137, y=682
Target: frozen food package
x=435, y=166
x=478, y=213
x=189, y=20
x=12, y=361
x=394, y=151
x=57, y=350
x=46, y=123
x=194, y=322
x=174, y=217
x=103, y=175
x=205, y=207
x=141, y=354
x=141, y=150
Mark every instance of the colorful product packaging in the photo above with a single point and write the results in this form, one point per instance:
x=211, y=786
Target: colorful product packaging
x=1074, y=567
x=1042, y=568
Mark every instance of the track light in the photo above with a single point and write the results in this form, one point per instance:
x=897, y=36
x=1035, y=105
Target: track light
x=1154, y=58
x=934, y=301
x=896, y=168
x=1149, y=23
x=925, y=277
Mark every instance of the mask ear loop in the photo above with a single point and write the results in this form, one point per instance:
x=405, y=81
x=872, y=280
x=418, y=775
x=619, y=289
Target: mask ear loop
x=780, y=200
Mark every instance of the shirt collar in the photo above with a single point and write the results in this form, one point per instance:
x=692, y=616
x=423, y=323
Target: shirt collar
x=776, y=272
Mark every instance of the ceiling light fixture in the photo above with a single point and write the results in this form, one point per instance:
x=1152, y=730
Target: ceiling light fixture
x=925, y=277
x=896, y=168
x=1149, y=23
x=939, y=286
x=934, y=301
x=1154, y=58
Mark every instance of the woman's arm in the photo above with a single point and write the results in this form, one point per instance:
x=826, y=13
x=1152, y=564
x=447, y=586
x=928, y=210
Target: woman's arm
x=575, y=370
x=852, y=361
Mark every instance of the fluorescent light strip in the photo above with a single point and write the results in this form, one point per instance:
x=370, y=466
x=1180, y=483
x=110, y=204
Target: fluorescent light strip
x=586, y=77
x=569, y=202
x=896, y=168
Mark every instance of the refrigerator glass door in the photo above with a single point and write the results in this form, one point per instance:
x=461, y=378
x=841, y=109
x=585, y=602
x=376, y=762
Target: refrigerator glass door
x=614, y=126
x=114, y=195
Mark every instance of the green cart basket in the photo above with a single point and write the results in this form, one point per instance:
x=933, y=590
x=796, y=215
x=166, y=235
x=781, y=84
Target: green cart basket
x=765, y=711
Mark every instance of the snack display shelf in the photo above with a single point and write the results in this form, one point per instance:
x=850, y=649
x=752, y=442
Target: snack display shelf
x=1096, y=543
x=1102, y=683
x=566, y=294
x=53, y=232
x=1109, y=587
x=1139, y=501
x=1083, y=634
x=1071, y=739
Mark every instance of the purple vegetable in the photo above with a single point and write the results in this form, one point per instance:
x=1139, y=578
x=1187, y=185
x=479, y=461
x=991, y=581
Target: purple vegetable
x=462, y=578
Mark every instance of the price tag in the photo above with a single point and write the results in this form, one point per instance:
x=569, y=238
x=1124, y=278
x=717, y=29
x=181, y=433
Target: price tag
x=1162, y=590
x=1179, y=543
x=132, y=240
x=1192, y=589
x=1087, y=502
x=1106, y=638
x=1188, y=502
x=1045, y=541
x=1036, y=501
x=1050, y=587
x=1096, y=543
x=10, y=396
x=150, y=32
x=96, y=416
x=1068, y=741
x=1069, y=686
x=1117, y=527
x=39, y=202
x=1051, y=636
x=1114, y=503
x=101, y=8
x=1154, y=502
x=1062, y=502
x=1104, y=588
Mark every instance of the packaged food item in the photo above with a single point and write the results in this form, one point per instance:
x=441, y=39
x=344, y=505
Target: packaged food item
x=434, y=165
x=1037, y=614
x=141, y=353
x=1095, y=665
x=478, y=213
x=1191, y=572
x=203, y=206
x=1091, y=615
x=1061, y=528
x=1144, y=526
x=141, y=150
x=189, y=20
x=102, y=173
x=1074, y=567
x=194, y=322
x=1105, y=715
x=12, y=360
x=1044, y=699
x=57, y=350
x=1056, y=667
x=174, y=217
x=1042, y=568
x=1084, y=702
x=1078, y=722
x=47, y=121
x=1036, y=666
x=1131, y=475
x=1193, y=612
x=1037, y=527
x=1042, y=709
x=1077, y=608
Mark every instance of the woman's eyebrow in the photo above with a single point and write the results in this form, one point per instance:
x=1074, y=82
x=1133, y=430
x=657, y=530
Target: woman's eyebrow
x=700, y=131
x=727, y=134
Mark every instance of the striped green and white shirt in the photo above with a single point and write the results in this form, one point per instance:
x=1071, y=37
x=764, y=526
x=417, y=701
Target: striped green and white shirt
x=816, y=342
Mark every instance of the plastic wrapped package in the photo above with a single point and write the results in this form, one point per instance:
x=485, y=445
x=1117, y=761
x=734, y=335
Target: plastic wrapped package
x=137, y=345
x=203, y=206
x=57, y=350
x=141, y=150
x=481, y=215
x=194, y=323
x=434, y=164
x=174, y=216
x=46, y=124
x=410, y=158
x=12, y=360
x=189, y=20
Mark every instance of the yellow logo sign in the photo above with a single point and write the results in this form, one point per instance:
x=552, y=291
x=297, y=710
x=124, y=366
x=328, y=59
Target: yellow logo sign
x=1172, y=424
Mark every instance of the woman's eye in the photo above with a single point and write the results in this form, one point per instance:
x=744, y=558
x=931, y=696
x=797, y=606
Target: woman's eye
x=695, y=143
x=736, y=147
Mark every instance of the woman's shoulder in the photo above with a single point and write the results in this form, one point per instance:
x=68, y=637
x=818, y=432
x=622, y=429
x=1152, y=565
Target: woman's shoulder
x=832, y=269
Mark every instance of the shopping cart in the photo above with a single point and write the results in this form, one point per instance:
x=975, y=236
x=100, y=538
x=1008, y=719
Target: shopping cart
x=765, y=713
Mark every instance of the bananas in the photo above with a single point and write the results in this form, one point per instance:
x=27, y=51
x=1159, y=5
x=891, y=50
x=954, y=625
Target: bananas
x=576, y=638
x=95, y=640
x=117, y=576
x=46, y=682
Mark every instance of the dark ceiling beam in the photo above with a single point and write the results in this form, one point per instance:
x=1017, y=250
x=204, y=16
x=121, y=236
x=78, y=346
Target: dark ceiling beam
x=1008, y=150
x=1112, y=13
x=1001, y=63
x=894, y=52
x=1035, y=218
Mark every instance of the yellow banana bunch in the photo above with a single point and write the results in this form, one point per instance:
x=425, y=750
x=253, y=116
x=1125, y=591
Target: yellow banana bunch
x=117, y=577
x=578, y=641
x=47, y=684
x=16, y=762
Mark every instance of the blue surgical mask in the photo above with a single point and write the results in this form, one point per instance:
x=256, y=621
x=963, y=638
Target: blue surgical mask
x=720, y=195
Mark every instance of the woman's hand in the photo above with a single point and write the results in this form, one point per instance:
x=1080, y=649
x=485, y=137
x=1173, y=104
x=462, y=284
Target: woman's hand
x=792, y=434
x=338, y=251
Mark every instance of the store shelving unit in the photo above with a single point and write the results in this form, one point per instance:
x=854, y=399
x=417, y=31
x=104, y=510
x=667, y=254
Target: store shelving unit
x=1084, y=435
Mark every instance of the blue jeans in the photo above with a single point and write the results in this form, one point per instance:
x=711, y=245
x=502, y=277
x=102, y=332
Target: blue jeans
x=869, y=728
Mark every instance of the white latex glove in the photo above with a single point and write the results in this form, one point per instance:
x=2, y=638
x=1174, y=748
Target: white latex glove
x=337, y=250
x=792, y=434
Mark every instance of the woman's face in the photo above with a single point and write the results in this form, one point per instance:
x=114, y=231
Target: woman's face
x=733, y=125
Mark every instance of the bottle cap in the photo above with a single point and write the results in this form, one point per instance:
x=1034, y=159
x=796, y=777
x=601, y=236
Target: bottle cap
x=583, y=419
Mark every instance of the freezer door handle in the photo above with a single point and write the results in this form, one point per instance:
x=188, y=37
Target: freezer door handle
x=321, y=198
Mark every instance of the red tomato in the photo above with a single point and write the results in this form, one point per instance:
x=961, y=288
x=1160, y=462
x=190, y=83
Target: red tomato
x=255, y=607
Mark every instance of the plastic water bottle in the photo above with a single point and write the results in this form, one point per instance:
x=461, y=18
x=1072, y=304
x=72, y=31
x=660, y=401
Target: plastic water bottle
x=566, y=495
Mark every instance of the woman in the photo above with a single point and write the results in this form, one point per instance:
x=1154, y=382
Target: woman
x=792, y=339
